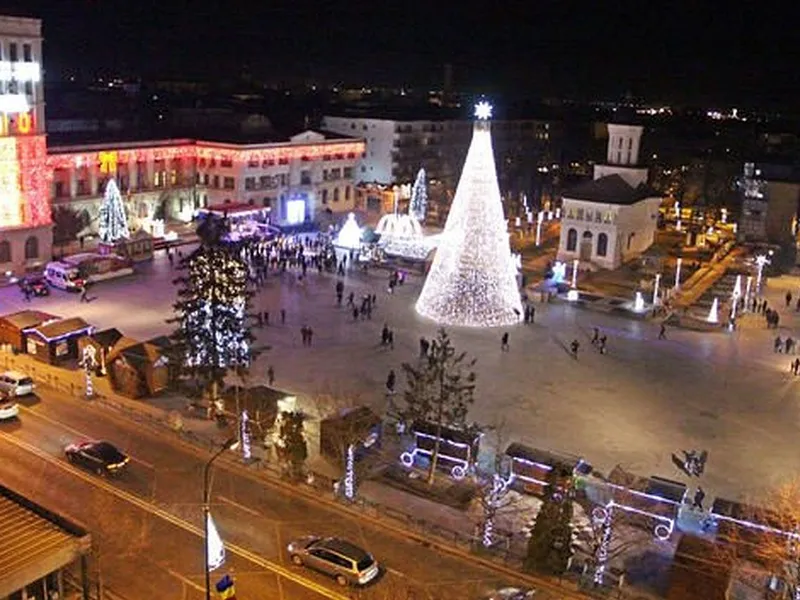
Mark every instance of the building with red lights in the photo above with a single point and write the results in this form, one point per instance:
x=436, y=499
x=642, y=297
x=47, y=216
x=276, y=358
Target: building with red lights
x=294, y=179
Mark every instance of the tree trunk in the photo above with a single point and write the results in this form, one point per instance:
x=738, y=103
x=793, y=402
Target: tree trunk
x=437, y=441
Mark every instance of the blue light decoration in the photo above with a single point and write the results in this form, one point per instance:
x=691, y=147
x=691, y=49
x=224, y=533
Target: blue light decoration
x=602, y=518
x=459, y=470
x=225, y=588
x=559, y=272
x=244, y=436
x=491, y=501
x=350, y=473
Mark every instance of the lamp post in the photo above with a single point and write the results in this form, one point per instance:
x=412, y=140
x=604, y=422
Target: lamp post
x=678, y=273
x=655, y=289
x=230, y=444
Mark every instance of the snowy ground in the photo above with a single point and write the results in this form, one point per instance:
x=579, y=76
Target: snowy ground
x=727, y=393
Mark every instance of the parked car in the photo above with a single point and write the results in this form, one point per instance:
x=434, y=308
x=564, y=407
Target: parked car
x=342, y=560
x=511, y=593
x=36, y=285
x=101, y=457
x=8, y=408
x=15, y=383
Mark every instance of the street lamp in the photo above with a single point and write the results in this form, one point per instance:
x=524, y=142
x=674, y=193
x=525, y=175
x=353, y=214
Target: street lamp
x=230, y=444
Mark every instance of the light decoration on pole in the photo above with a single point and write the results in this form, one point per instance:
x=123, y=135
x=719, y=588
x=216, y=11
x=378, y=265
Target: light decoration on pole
x=539, y=220
x=89, y=363
x=244, y=436
x=761, y=261
x=350, y=473
x=655, y=289
x=113, y=224
x=678, y=273
x=747, y=291
x=737, y=293
x=471, y=282
x=349, y=236
x=491, y=501
x=603, y=520
x=713, y=313
x=638, y=303
x=418, y=205
x=215, y=549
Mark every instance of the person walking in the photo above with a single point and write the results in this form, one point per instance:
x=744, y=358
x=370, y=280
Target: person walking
x=391, y=379
x=283, y=316
x=662, y=332
x=699, y=496
x=575, y=346
x=84, y=293
x=595, y=335
x=266, y=317
x=504, y=342
x=270, y=375
x=788, y=299
x=601, y=344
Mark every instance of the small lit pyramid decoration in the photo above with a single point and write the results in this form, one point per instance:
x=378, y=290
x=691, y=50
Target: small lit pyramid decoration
x=471, y=281
x=350, y=234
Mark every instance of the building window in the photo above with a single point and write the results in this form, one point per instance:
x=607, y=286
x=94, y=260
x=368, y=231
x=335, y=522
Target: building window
x=347, y=193
x=12, y=53
x=324, y=196
x=31, y=248
x=620, y=143
x=205, y=178
x=27, y=53
x=579, y=214
x=629, y=157
x=588, y=214
x=630, y=240
x=229, y=183
x=572, y=240
x=305, y=178
x=5, y=252
x=250, y=183
x=216, y=181
x=268, y=202
x=630, y=143
x=348, y=172
x=226, y=162
x=602, y=244
x=336, y=194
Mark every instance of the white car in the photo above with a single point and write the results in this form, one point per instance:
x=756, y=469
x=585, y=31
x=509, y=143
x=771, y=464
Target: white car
x=8, y=409
x=15, y=383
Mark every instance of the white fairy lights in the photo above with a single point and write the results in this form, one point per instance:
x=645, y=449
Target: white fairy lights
x=471, y=281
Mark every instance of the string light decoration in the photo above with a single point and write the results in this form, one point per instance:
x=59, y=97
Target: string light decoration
x=89, y=364
x=471, y=281
x=491, y=504
x=34, y=181
x=113, y=224
x=418, y=206
x=349, y=236
x=244, y=436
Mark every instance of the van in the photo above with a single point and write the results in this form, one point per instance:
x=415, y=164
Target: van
x=15, y=383
x=63, y=276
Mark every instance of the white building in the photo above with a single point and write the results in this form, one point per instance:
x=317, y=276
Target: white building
x=614, y=217
x=25, y=230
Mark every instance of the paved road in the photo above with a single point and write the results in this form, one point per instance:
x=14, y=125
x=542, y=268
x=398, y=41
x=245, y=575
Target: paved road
x=147, y=522
x=645, y=399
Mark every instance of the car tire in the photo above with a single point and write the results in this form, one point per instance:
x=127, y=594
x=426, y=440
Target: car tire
x=341, y=580
x=297, y=560
x=100, y=471
x=70, y=458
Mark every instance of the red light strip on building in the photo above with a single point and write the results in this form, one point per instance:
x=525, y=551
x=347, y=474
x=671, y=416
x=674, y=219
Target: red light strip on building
x=201, y=150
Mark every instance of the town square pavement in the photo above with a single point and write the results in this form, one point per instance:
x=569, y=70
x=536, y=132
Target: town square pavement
x=728, y=393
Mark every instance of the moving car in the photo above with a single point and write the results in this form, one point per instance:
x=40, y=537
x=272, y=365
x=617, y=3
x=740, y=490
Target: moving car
x=36, y=285
x=345, y=562
x=15, y=383
x=101, y=457
x=8, y=408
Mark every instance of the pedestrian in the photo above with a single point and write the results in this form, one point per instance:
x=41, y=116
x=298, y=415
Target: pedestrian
x=350, y=297
x=304, y=334
x=789, y=345
x=84, y=293
x=423, y=347
x=796, y=366
x=270, y=375
x=575, y=346
x=390, y=381
x=778, y=346
x=699, y=496
x=310, y=333
x=504, y=342
x=601, y=344
x=793, y=366
x=390, y=339
x=355, y=314
x=385, y=335
x=797, y=305
x=595, y=335
x=260, y=319
x=662, y=333
x=26, y=292
x=533, y=313
x=266, y=317
x=283, y=316
x=788, y=299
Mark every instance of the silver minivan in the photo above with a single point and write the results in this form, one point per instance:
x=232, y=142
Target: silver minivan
x=345, y=562
x=15, y=383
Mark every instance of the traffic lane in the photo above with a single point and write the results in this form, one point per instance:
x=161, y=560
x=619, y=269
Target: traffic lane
x=247, y=508
x=140, y=553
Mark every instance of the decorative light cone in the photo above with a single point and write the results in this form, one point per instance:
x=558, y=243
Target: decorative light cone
x=471, y=282
x=350, y=235
x=638, y=304
x=713, y=314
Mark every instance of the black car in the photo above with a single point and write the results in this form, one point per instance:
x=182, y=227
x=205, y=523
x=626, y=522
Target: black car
x=35, y=285
x=101, y=457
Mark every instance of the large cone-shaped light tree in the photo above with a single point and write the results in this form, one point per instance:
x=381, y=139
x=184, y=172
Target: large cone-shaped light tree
x=113, y=224
x=472, y=281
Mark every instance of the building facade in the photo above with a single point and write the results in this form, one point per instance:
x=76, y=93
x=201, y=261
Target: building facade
x=614, y=217
x=770, y=196
x=25, y=223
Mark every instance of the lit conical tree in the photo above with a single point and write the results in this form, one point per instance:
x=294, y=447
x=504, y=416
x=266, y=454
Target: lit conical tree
x=113, y=222
x=418, y=206
x=472, y=281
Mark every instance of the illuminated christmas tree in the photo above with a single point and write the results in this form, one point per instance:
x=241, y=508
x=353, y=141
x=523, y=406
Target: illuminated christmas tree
x=113, y=224
x=212, y=335
x=472, y=281
x=419, y=197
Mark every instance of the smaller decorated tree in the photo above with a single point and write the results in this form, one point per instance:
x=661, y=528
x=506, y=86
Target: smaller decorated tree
x=292, y=447
x=113, y=223
x=549, y=547
x=418, y=206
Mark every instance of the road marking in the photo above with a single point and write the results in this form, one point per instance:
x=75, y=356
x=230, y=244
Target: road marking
x=246, y=509
x=395, y=572
x=185, y=580
x=185, y=525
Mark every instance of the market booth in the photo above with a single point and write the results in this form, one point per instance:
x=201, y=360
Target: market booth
x=14, y=328
x=139, y=370
x=357, y=426
x=105, y=343
x=530, y=468
x=458, y=449
x=56, y=342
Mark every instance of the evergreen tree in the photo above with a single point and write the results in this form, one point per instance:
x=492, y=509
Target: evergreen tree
x=439, y=390
x=292, y=448
x=113, y=224
x=549, y=547
x=418, y=205
x=212, y=335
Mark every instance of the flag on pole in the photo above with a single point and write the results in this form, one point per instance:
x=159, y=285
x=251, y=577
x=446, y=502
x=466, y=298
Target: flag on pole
x=216, y=549
x=225, y=588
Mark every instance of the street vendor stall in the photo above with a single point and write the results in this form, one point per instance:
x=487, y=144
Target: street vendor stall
x=458, y=449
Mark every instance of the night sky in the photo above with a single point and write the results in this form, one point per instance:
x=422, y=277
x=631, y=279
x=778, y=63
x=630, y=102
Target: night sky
x=676, y=52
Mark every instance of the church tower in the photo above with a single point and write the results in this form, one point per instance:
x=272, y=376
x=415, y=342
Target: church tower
x=622, y=156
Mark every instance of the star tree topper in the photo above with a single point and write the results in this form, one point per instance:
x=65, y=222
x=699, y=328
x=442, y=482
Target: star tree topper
x=483, y=110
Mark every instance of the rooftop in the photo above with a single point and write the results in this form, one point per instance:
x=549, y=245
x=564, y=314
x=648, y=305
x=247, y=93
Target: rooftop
x=612, y=189
x=37, y=542
x=25, y=319
x=62, y=328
